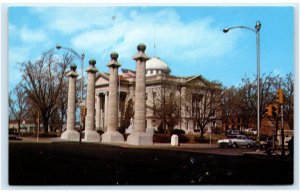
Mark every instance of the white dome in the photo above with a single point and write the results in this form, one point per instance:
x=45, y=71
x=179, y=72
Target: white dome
x=156, y=63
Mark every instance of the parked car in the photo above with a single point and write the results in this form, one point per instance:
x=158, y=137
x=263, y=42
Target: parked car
x=236, y=141
x=266, y=142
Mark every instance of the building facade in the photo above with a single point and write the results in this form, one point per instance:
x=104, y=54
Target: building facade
x=161, y=86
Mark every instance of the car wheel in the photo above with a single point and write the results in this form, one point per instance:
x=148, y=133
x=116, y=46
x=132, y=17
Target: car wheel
x=235, y=145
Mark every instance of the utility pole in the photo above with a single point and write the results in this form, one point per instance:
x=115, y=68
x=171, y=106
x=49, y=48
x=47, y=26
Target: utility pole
x=38, y=128
x=282, y=132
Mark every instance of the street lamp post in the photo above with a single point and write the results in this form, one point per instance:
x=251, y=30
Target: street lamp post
x=256, y=31
x=81, y=58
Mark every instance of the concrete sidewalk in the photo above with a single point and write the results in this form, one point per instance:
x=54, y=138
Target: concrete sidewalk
x=155, y=145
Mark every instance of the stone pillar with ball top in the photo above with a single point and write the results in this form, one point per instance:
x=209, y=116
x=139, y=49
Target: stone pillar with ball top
x=112, y=135
x=89, y=133
x=139, y=136
x=71, y=133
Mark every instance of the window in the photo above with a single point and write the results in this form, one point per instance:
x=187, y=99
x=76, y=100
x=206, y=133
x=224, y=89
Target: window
x=154, y=96
x=154, y=110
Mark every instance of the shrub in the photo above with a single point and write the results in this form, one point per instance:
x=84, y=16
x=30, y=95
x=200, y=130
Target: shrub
x=184, y=138
x=125, y=135
x=178, y=132
x=47, y=135
x=100, y=131
x=27, y=134
x=198, y=139
x=12, y=131
x=161, y=138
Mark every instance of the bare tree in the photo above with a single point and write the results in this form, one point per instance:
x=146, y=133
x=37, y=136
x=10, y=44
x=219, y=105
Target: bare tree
x=206, y=105
x=61, y=103
x=288, y=104
x=247, y=103
x=128, y=114
x=247, y=97
x=44, y=81
x=33, y=113
x=166, y=107
x=230, y=105
x=18, y=104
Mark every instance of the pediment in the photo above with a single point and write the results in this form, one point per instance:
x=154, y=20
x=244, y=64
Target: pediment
x=102, y=79
x=198, y=81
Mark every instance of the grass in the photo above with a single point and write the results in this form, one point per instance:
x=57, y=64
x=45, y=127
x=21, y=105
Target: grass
x=71, y=163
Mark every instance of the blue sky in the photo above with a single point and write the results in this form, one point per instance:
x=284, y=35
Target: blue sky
x=189, y=39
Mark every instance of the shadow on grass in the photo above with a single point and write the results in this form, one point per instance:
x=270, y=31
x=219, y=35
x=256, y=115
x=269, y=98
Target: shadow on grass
x=97, y=164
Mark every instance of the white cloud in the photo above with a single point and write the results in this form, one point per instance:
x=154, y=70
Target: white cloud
x=176, y=41
x=99, y=30
x=32, y=35
x=16, y=56
x=69, y=20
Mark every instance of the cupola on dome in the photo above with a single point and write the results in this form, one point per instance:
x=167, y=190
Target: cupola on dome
x=156, y=66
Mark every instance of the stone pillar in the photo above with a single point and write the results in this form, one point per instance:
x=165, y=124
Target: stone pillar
x=90, y=134
x=139, y=136
x=105, y=111
x=112, y=135
x=70, y=133
x=98, y=117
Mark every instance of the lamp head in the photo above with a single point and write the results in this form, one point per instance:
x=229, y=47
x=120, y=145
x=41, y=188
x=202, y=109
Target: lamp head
x=258, y=26
x=225, y=30
x=58, y=46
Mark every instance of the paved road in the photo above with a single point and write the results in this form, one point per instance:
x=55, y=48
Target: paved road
x=199, y=148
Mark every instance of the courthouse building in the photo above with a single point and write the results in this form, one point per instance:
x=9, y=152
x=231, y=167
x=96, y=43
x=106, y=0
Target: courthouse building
x=158, y=77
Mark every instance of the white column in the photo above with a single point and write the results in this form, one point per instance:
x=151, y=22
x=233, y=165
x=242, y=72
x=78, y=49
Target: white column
x=71, y=133
x=105, y=111
x=112, y=135
x=98, y=111
x=151, y=102
x=184, y=103
x=102, y=120
x=139, y=136
x=90, y=134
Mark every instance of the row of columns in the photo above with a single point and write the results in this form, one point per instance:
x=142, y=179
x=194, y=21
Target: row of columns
x=101, y=110
x=139, y=136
